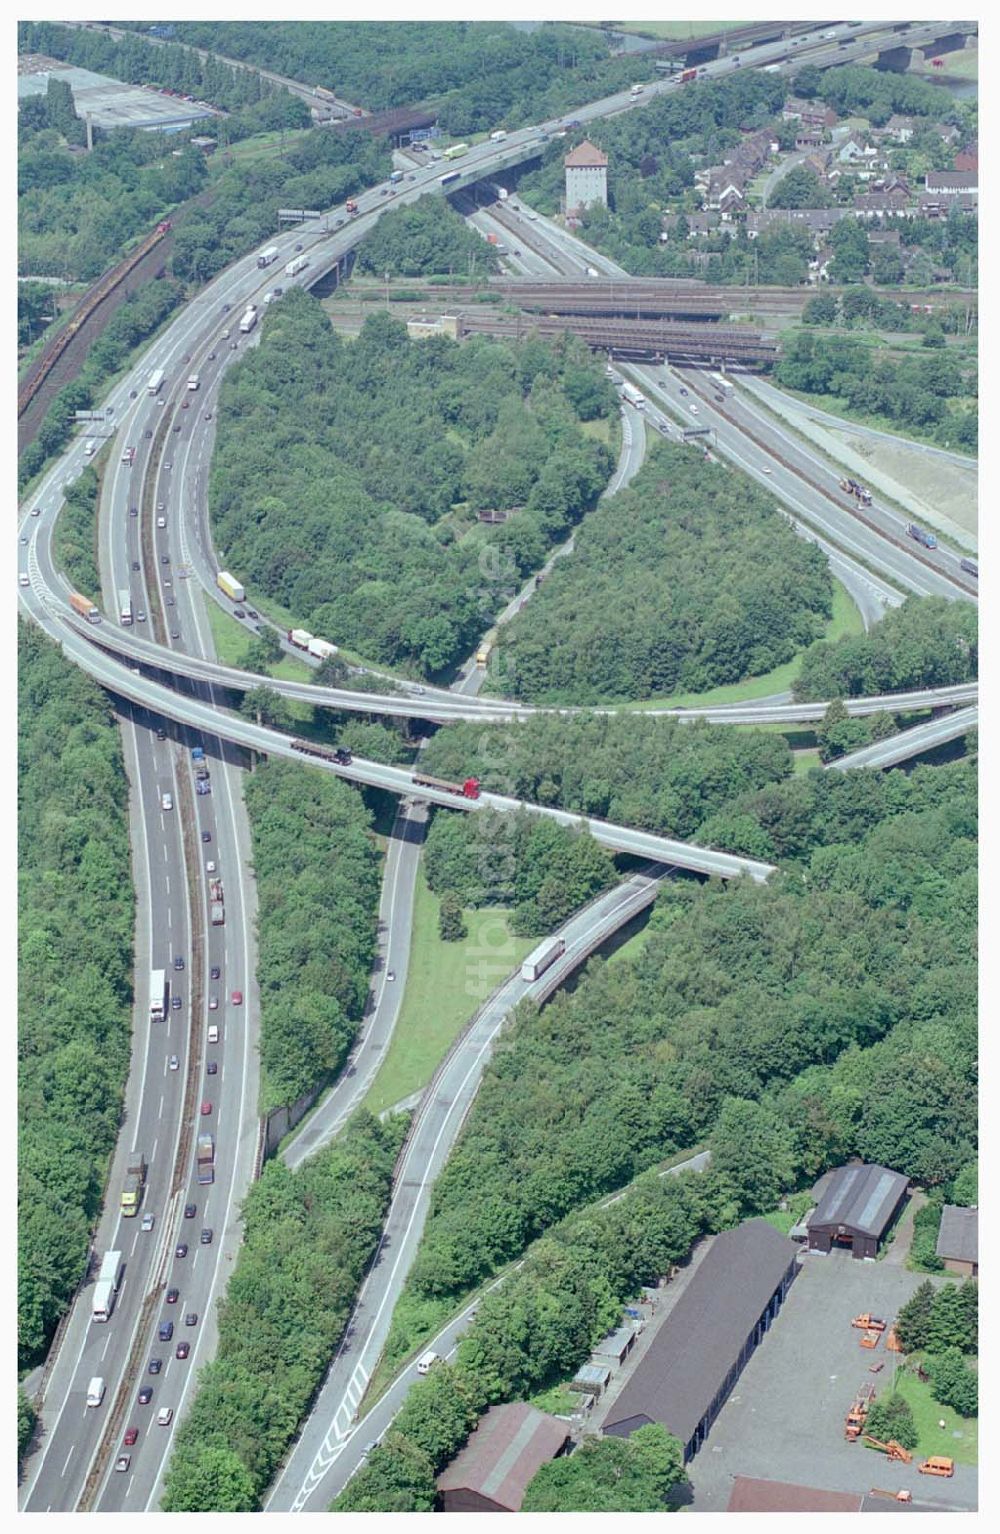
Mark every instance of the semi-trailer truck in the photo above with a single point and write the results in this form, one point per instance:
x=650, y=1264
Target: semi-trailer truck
x=155, y=381
x=539, y=960
x=106, y=1288
x=230, y=586
x=157, y=995
x=85, y=607
x=248, y=320
x=632, y=394
x=300, y=638
x=921, y=535
x=125, y=608
x=216, y=906
x=135, y=1181
x=267, y=256
x=206, y=1160
x=339, y=754
x=297, y=264
x=469, y=789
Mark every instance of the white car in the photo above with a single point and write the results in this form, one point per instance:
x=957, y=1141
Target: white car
x=768, y=471
x=147, y=1221
x=174, y=1063
x=161, y=521
x=23, y=580
x=36, y=511
x=210, y=866
x=166, y=801
x=164, y=1416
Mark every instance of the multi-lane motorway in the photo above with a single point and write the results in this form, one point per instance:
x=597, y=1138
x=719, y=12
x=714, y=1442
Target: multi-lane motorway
x=171, y=855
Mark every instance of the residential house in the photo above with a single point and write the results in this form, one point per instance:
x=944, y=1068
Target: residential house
x=901, y=129
x=936, y=205
x=808, y=138
x=967, y=159
x=946, y=133
x=817, y=221
x=854, y=153
x=811, y=114
x=948, y=183
x=884, y=237
x=700, y=225
x=879, y=204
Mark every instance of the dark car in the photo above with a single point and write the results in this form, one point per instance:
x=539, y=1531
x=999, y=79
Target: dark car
x=206, y=836
x=215, y=971
x=155, y=1365
x=164, y=559
x=181, y=1249
x=190, y=1210
x=226, y=308
x=133, y=511
x=173, y=1295
x=145, y=1395
x=299, y=245
x=177, y=426
x=178, y=961
x=166, y=1331
x=239, y=612
x=206, y=1236
x=183, y=1349
x=252, y=612
x=171, y=602
x=147, y=434
x=191, y=1319
x=211, y=356
x=161, y=734
x=175, y=633
x=176, y=1003
x=212, y=1067
x=135, y=564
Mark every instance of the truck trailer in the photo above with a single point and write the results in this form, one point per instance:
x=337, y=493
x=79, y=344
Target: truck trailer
x=268, y=256
x=125, y=608
x=297, y=264
x=85, y=607
x=157, y=995
x=539, y=960
x=135, y=1181
x=156, y=381
x=106, y=1288
x=322, y=649
x=469, y=789
x=206, y=1160
x=230, y=586
x=248, y=320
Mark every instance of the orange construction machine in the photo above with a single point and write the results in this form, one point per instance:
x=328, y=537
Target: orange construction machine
x=938, y=1464
x=869, y=1323
x=893, y=1496
x=894, y=1450
x=857, y=1414
x=870, y=1339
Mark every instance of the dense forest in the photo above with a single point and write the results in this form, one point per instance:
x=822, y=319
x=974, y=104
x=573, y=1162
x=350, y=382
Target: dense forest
x=481, y=74
x=75, y=936
x=848, y=982
x=658, y=774
x=317, y=872
x=688, y=578
x=308, y=1237
x=347, y=476
x=74, y=539
x=424, y=239
x=542, y=871
x=927, y=642
x=934, y=395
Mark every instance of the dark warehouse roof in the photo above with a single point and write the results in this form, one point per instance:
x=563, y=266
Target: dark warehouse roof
x=861, y=1198
x=676, y=1382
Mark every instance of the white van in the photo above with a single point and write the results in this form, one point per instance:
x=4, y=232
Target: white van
x=95, y=1391
x=89, y=448
x=426, y=1364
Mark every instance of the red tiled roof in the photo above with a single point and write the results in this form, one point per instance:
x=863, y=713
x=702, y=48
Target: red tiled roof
x=754, y=1496
x=586, y=154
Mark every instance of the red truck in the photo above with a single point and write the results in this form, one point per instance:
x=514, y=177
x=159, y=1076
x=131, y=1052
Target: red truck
x=688, y=74
x=467, y=790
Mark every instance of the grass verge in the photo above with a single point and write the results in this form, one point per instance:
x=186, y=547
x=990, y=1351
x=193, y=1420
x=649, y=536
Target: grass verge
x=445, y=984
x=959, y=1438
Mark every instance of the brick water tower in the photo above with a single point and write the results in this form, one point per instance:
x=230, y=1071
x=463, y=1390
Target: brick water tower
x=586, y=178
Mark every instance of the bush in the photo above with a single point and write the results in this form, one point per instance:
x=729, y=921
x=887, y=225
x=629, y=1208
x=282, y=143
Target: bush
x=953, y=1383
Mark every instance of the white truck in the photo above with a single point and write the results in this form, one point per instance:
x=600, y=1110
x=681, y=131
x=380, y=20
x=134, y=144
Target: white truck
x=125, y=608
x=298, y=264
x=268, y=256
x=248, y=320
x=300, y=638
x=107, y=1286
x=539, y=960
x=194, y=381
x=633, y=396
x=499, y=136
x=155, y=381
x=232, y=588
x=157, y=995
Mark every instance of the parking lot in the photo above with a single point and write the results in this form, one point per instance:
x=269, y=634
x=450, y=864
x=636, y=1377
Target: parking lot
x=785, y=1418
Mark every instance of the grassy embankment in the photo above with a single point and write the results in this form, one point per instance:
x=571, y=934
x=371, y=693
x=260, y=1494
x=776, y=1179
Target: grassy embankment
x=444, y=985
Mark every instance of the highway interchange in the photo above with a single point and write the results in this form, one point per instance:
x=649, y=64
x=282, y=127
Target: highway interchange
x=73, y=1466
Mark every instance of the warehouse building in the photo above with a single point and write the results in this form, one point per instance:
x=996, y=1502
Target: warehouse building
x=688, y=1373
x=856, y=1208
x=958, y=1240
x=492, y=1472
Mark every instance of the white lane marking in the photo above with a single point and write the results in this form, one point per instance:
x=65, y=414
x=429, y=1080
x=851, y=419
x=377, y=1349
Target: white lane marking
x=166, y=880
x=68, y=1458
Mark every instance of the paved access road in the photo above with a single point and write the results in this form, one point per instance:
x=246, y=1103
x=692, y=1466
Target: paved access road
x=431, y=1138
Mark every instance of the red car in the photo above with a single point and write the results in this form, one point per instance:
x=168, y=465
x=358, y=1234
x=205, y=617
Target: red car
x=206, y=1109
x=131, y=1437
x=237, y=998
x=183, y=1349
